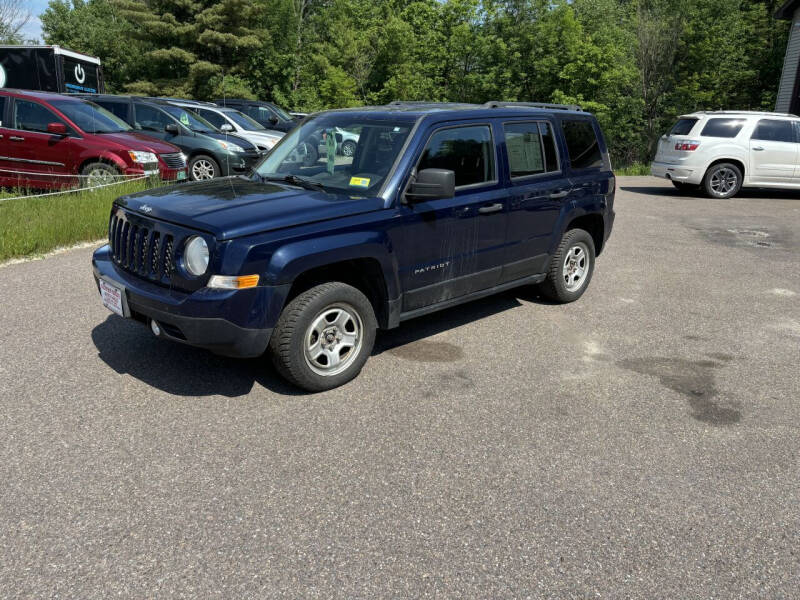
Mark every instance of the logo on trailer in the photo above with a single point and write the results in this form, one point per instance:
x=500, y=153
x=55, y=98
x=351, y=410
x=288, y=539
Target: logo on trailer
x=80, y=74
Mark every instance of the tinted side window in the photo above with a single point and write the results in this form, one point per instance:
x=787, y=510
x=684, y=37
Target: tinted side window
x=468, y=151
x=119, y=109
x=530, y=148
x=216, y=119
x=582, y=144
x=773, y=130
x=683, y=127
x=151, y=119
x=722, y=128
x=32, y=116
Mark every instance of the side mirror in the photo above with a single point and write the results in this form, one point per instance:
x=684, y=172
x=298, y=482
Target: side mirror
x=338, y=138
x=172, y=128
x=432, y=184
x=273, y=119
x=226, y=127
x=57, y=128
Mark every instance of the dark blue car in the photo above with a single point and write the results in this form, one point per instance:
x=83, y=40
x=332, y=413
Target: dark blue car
x=310, y=254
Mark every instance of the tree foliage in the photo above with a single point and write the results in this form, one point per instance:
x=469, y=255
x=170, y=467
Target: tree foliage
x=636, y=63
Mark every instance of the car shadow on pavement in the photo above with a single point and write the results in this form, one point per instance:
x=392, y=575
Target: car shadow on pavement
x=129, y=348
x=668, y=190
x=415, y=330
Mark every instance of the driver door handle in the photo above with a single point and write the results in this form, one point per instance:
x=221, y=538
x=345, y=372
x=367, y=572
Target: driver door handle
x=492, y=208
x=561, y=194
x=16, y=138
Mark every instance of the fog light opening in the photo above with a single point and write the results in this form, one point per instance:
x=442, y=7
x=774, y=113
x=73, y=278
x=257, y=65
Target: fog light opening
x=155, y=327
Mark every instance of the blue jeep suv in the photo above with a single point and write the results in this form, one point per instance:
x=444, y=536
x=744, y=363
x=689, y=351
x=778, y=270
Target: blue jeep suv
x=307, y=256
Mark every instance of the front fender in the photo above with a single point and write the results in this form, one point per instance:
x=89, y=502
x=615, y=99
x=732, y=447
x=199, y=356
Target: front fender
x=88, y=156
x=295, y=258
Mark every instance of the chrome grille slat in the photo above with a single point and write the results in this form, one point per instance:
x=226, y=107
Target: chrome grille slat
x=174, y=161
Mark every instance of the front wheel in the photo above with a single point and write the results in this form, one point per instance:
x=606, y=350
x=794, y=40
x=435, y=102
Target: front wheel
x=571, y=267
x=203, y=167
x=98, y=173
x=323, y=337
x=722, y=180
x=348, y=148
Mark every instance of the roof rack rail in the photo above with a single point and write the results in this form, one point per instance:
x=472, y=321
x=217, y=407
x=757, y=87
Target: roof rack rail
x=422, y=103
x=544, y=105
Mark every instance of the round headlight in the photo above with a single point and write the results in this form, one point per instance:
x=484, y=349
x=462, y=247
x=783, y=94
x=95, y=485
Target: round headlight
x=195, y=256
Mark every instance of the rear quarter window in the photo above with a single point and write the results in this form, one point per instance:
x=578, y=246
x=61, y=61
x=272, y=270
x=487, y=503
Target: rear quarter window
x=722, y=128
x=582, y=144
x=683, y=127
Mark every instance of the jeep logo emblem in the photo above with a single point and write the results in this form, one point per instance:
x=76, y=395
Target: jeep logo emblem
x=80, y=74
x=146, y=208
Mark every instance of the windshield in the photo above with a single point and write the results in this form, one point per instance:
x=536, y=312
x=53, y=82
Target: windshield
x=282, y=113
x=243, y=121
x=89, y=117
x=357, y=159
x=192, y=121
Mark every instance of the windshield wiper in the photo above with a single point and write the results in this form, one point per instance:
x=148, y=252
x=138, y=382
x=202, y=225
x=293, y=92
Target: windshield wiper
x=295, y=180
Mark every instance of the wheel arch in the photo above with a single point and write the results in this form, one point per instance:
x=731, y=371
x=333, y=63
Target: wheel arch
x=592, y=223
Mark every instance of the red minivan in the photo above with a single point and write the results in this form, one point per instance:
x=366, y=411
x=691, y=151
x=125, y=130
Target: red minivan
x=52, y=141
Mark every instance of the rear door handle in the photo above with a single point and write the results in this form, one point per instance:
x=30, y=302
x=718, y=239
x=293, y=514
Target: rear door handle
x=492, y=208
x=758, y=148
x=561, y=194
x=16, y=138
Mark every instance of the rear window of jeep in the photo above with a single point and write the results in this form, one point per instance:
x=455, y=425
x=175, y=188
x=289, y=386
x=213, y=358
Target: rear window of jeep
x=722, y=128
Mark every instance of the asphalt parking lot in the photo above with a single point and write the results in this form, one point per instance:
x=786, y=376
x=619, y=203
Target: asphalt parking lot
x=641, y=443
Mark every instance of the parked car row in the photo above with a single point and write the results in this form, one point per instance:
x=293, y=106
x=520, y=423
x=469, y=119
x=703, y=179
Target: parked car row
x=50, y=140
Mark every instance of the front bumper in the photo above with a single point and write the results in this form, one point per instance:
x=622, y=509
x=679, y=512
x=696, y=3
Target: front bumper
x=239, y=162
x=229, y=322
x=675, y=172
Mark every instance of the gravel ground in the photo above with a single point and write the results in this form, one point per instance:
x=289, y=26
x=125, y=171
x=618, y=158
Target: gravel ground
x=641, y=443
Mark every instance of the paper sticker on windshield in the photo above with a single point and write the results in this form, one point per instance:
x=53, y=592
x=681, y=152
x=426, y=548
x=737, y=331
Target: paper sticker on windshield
x=359, y=181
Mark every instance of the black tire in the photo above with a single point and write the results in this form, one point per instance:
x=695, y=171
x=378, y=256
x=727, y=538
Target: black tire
x=202, y=168
x=287, y=346
x=555, y=286
x=99, y=173
x=723, y=180
x=348, y=148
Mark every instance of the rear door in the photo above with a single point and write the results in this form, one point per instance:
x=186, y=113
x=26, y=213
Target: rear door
x=586, y=161
x=774, y=151
x=41, y=158
x=6, y=165
x=538, y=190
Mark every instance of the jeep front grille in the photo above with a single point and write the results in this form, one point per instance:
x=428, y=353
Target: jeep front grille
x=141, y=250
x=174, y=161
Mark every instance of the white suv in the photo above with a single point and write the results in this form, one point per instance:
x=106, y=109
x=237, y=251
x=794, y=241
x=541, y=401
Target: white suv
x=723, y=151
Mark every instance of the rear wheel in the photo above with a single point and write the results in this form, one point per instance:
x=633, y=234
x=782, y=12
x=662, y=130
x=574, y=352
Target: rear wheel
x=203, y=167
x=323, y=337
x=571, y=267
x=99, y=173
x=722, y=180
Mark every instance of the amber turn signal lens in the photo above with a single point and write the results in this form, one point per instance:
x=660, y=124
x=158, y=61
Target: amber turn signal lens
x=233, y=282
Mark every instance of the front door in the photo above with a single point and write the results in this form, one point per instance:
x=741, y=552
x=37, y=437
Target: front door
x=451, y=247
x=40, y=158
x=773, y=152
x=538, y=190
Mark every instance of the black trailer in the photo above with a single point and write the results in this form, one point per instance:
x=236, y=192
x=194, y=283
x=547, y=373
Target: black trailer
x=50, y=69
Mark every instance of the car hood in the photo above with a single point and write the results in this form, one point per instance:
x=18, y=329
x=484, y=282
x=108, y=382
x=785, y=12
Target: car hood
x=132, y=140
x=231, y=207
